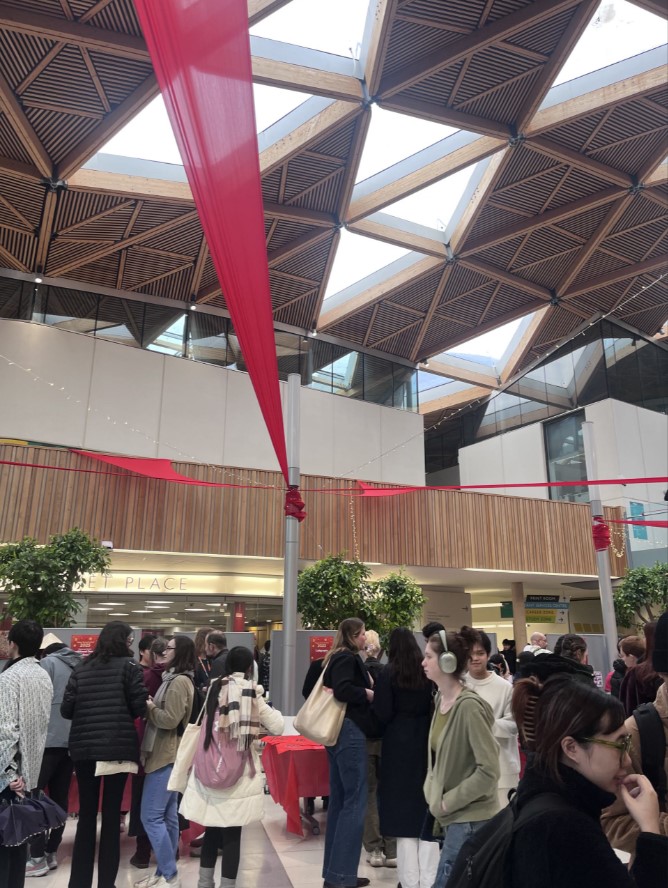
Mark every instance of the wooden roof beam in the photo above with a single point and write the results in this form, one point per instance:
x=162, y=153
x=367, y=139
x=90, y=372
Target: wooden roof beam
x=375, y=287
x=40, y=25
x=392, y=230
x=375, y=41
x=110, y=125
x=260, y=9
x=549, y=217
x=438, y=113
x=548, y=148
x=46, y=228
x=298, y=245
x=455, y=399
x=529, y=335
x=506, y=277
x=659, y=174
x=471, y=204
x=448, y=156
x=433, y=305
x=22, y=127
x=110, y=249
x=481, y=38
x=619, y=274
x=308, y=123
x=287, y=66
x=463, y=371
x=601, y=89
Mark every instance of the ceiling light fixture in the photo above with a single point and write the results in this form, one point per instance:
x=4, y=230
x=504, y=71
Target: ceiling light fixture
x=158, y=602
x=119, y=615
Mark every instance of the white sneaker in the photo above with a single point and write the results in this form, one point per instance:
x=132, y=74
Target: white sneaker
x=148, y=881
x=376, y=858
x=391, y=862
x=174, y=882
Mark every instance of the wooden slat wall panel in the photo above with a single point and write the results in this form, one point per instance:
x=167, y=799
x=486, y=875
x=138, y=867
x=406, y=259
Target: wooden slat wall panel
x=430, y=528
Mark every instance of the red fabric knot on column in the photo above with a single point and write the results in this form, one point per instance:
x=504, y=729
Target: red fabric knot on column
x=601, y=534
x=294, y=504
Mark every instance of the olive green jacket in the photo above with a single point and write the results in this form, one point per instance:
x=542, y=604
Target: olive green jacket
x=462, y=779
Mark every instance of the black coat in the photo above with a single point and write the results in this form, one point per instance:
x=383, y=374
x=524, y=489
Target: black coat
x=619, y=671
x=312, y=676
x=346, y=676
x=406, y=715
x=103, y=700
x=218, y=665
x=569, y=848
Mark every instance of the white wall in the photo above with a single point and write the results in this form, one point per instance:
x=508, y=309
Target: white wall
x=510, y=458
x=629, y=442
x=74, y=390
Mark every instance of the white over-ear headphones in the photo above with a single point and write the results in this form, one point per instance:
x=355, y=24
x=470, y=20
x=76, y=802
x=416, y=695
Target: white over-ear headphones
x=447, y=661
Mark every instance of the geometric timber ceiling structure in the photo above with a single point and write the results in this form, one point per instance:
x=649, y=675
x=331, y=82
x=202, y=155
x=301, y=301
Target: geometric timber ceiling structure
x=566, y=211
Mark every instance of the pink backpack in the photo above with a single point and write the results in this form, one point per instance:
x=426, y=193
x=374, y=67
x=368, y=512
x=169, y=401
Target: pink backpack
x=222, y=764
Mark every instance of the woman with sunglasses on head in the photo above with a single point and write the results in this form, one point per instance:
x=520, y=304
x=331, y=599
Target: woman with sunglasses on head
x=463, y=756
x=578, y=754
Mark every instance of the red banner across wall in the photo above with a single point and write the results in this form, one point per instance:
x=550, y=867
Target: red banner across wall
x=200, y=50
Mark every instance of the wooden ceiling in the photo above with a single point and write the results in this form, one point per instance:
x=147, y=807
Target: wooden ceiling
x=568, y=207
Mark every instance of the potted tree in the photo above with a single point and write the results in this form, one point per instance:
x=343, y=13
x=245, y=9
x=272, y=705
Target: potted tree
x=39, y=581
x=642, y=596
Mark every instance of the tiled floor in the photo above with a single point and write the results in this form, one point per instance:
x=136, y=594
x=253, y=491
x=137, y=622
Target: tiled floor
x=270, y=858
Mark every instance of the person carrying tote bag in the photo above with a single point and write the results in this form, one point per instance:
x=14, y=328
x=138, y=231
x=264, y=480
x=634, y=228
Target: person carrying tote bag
x=351, y=685
x=321, y=716
x=185, y=754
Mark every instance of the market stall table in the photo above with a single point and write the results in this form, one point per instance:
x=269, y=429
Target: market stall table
x=296, y=768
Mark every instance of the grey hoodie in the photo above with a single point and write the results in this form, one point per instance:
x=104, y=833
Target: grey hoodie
x=59, y=665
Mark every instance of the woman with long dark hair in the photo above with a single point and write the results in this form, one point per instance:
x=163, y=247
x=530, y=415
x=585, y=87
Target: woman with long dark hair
x=168, y=714
x=240, y=709
x=641, y=683
x=403, y=703
x=463, y=769
x=578, y=747
x=103, y=697
x=345, y=674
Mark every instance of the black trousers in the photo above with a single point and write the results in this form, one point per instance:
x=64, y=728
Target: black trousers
x=55, y=776
x=83, y=855
x=229, y=839
x=13, y=866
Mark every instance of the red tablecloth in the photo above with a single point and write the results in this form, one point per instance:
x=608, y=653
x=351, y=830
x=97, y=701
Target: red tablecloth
x=296, y=768
x=73, y=803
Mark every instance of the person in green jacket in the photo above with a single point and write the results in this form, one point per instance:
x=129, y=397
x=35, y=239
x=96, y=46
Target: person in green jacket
x=463, y=756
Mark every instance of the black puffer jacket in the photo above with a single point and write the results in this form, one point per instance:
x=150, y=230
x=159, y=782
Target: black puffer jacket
x=103, y=699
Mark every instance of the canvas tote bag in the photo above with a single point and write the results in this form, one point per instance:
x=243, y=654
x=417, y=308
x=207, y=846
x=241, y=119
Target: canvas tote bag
x=321, y=716
x=178, y=779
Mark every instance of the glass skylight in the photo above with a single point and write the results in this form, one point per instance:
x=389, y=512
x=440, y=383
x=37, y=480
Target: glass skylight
x=434, y=205
x=391, y=137
x=489, y=345
x=335, y=26
x=617, y=31
x=358, y=256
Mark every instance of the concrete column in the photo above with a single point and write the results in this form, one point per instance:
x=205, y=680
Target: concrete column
x=519, y=616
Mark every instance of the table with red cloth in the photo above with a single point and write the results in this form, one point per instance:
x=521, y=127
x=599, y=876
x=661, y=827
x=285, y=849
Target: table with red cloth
x=296, y=768
x=73, y=802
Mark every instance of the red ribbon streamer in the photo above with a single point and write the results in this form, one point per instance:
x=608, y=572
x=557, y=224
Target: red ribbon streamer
x=294, y=504
x=637, y=522
x=200, y=50
x=600, y=534
x=368, y=490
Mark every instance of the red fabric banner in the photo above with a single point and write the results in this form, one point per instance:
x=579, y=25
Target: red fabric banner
x=200, y=50
x=369, y=490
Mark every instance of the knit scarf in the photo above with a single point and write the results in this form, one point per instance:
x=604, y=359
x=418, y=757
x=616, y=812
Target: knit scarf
x=238, y=710
x=159, y=699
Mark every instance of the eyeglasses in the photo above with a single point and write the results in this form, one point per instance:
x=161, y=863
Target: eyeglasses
x=623, y=745
x=170, y=647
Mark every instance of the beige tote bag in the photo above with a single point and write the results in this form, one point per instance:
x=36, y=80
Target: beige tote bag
x=321, y=716
x=178, y=779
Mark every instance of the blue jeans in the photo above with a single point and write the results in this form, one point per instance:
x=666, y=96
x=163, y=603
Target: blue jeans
x=159, y=814
x=347, y=806
x=455, y=836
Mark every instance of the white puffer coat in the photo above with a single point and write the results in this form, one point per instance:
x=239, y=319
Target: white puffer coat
x=242, y=803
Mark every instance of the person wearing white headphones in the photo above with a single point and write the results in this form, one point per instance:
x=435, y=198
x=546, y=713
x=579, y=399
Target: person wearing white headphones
x=463, y=756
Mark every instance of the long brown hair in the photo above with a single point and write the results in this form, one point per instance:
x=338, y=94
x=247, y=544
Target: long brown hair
x=645, y=670
x=347, y=632
x=562, y=707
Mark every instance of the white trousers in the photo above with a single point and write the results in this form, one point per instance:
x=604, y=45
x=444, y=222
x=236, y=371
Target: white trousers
x=417, y=862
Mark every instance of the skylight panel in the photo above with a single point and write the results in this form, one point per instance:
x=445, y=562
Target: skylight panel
x=393, y=137
x=335, y=26
x=617, y=31
x=357, y=257
x=434, y=205
x=490, y=345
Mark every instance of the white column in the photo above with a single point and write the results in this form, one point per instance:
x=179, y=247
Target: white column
x=291, y=561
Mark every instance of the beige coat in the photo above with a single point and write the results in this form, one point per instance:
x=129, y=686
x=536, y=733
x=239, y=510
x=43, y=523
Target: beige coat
x=242, y=803
x=620, y=828
x=176, y=711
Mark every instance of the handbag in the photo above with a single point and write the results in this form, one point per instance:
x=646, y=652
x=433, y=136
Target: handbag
x=321, y=716
x=106, y=769
x=23, y=817
x=178, y=779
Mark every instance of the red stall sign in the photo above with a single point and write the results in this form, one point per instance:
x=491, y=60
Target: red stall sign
x=320, y=646
x=84, y=644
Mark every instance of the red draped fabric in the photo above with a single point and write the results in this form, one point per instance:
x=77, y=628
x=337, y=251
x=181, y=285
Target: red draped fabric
x=201, y=54
x=370, y=490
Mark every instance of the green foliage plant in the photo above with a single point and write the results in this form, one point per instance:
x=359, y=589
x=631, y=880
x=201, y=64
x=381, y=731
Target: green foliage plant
x=39, y=582
x=642, y=596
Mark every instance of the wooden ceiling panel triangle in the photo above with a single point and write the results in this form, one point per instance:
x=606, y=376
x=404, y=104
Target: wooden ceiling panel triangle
x=631, y=154
x=103, y=272
x=22, y=54
x=574, y=185
x=142, y=265
x=639, y=212
x=65, y=83
x=64, y=250
x=442, y=334
x=58, y=131
x=25, y=196
x=550, y=268
x=402, y=343
x=599, y=263
x=116, y=15
x=509, y=301
x=118, y=85
x=11, y=146
x=78, y=207
x=585, y=224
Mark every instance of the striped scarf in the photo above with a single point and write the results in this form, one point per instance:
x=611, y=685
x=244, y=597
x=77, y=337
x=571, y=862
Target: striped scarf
x=238, y=714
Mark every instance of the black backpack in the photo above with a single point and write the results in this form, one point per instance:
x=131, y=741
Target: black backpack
x=652, y=748
x=484, y=861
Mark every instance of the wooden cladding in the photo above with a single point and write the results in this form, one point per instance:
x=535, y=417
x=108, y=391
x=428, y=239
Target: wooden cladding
x=448, y=529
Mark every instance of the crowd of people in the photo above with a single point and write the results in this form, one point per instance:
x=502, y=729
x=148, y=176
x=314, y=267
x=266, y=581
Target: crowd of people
x=426, y=766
